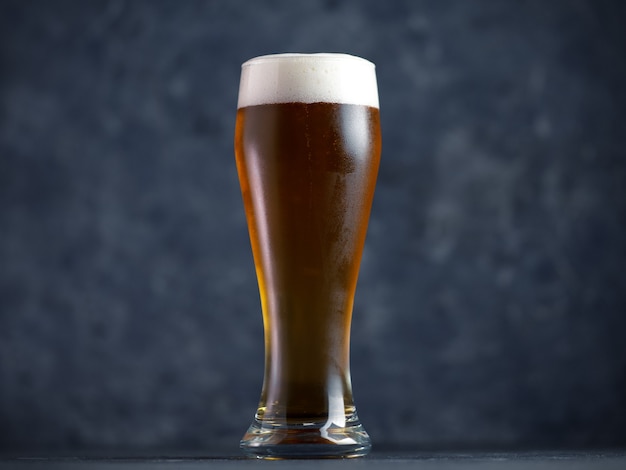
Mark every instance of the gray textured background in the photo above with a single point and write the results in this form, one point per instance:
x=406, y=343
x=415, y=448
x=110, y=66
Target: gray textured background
x=491, y=304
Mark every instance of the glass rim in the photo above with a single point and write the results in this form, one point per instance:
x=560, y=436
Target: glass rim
x=295, y=56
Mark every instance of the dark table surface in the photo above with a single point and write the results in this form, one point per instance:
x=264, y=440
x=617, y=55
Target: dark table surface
x=569, y=460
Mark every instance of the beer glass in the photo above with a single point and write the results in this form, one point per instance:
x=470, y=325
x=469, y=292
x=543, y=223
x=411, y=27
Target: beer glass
x=307, y=147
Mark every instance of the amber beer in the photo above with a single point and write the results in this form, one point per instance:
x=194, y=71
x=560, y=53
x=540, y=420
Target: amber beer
x=307, y=146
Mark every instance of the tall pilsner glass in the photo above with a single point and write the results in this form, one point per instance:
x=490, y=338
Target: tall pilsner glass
x=307, y=145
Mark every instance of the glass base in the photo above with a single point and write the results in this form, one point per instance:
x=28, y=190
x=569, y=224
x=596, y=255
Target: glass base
x=271, y=440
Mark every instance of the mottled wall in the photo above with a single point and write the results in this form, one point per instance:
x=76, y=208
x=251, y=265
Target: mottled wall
x=491, y=305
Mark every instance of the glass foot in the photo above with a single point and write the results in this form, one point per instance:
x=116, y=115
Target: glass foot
x=272, y=440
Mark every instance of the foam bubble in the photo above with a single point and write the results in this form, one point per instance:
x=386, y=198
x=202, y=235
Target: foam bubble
x=308, y=78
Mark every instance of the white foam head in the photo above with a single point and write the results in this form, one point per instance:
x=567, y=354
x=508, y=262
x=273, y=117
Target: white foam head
x=308, y=78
